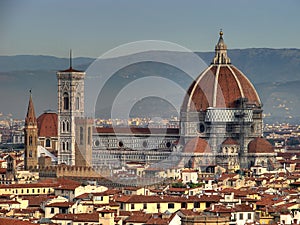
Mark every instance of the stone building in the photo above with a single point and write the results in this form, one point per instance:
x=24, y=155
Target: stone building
x=221, y=125
x=223, y=108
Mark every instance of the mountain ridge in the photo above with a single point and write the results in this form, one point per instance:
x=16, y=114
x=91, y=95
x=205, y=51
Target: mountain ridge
x=274, y=72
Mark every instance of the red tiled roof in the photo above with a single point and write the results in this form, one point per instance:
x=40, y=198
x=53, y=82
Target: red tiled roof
x=36, y=200
x=159, y=219
x=67, y=187
x=189, y=212
x=138, y=218
x=2, y=170
x=80, y=217
x=61, y=204
x=9, y=202
x=9, y=221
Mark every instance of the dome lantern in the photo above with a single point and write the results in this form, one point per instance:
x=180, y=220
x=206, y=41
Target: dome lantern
x=221, y=51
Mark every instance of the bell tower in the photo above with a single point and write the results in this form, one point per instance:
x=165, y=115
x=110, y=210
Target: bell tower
x=70, y=106
x=31, y=137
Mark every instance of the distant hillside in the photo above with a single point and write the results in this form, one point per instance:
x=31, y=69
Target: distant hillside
x=274, y=72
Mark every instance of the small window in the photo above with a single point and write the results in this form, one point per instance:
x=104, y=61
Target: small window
x=158, y=205
x=145, y=206
x=30, y=140
x=132, y=206
x=81, y=135
x=89, y=135
x=63, y=146
x=201, y=128
x=52, y=210
x=66, y=101
x=241, y=216
x=67, y=126
x=145, y=144
x=63, y=126
x=197, y=205
x=121, y=144
x=77, y=103
x=171, y=206
x=249, y=216
x=48, y=143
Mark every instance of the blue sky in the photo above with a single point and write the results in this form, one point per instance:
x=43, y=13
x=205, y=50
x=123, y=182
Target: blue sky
x=90, y=27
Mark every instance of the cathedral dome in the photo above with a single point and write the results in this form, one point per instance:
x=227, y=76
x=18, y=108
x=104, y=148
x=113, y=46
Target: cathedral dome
x=221, y=85
x=197, y=145
x=260, y=145
x=47, y=124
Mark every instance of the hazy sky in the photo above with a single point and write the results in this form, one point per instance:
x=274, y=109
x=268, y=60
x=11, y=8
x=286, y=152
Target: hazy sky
x=90, y=27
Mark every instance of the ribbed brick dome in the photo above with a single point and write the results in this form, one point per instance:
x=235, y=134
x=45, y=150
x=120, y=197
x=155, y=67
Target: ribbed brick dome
x=47, y=124
x=221, y=85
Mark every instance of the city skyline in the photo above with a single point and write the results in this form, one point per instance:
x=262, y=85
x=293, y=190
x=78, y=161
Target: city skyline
x=92, y=28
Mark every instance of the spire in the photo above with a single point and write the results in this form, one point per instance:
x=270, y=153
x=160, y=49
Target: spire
x=70, y=69
x=30, y=117
x=221, y=51
x=70, y=59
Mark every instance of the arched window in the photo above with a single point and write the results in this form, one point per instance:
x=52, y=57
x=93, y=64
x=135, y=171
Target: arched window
x=66, y=101
x=63, y=146
x=77, y=103
x=63, y=126
x=67, y=145
x=30, y=140
x=67, y=126
x=81, y=135
x=89, y=136
x=48, y=143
